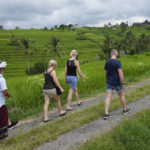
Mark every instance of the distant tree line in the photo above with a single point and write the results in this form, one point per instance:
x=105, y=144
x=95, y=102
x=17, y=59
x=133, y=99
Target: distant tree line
x=128, y=45
x=144, y=23
x=123, y=25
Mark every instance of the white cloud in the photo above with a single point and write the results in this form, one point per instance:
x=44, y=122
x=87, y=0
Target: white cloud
x=40, y=13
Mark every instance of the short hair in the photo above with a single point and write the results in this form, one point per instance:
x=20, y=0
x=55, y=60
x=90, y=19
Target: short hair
x=73, y=53
x=114, y=52
x=52, y=63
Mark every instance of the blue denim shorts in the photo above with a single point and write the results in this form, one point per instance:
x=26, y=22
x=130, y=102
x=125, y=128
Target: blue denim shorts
x=72, y=80
x=109, y=87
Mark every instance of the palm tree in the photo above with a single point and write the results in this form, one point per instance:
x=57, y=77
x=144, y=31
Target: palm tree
x=25, y=44
x=53, y=45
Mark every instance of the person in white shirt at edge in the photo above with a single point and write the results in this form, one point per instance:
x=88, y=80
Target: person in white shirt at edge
x=5, y=123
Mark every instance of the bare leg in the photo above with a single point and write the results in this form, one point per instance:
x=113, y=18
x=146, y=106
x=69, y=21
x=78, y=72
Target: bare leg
x=69, y=98
x=122, y=99
x=46, y=104
x=107, y=101
x=57, y=98
x=76, y=95
x=9, y=122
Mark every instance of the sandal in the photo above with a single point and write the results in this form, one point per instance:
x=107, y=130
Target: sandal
x=13, y=124
x=63, y=113
x=70, y=108
x=79, y=103
x=45, y=121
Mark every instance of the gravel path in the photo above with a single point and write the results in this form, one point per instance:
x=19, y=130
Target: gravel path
x=84, y=133
x=29, y=124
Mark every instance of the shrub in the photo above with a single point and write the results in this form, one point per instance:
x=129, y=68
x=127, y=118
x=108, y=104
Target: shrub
x=132, y=51
x=38, y=67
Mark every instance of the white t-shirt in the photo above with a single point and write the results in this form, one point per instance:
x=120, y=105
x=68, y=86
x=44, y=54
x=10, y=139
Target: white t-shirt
x=3, y=87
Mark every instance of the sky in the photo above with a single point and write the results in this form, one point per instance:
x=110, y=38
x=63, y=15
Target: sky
x=41, y=13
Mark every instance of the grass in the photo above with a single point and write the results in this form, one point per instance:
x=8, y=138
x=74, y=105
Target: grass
x=27, y=91
x=51, y=131
x=88, y=49
x=132, y=134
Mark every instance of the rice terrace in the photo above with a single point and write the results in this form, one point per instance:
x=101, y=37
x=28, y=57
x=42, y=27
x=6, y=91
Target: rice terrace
x=28, y=51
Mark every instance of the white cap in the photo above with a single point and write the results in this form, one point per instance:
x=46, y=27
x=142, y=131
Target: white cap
x=3, y=64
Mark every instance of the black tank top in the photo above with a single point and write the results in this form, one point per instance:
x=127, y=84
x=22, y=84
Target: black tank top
x=71, y=68
x=49, y=82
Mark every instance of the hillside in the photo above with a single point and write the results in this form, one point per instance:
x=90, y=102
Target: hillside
x=87, y=40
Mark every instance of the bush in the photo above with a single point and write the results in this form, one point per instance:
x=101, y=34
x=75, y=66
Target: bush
x=132, y=51
x=39, y=67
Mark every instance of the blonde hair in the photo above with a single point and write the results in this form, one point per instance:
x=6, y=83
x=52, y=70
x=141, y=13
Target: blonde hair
x=52, y=63
x=73, y=53
x=114, y=52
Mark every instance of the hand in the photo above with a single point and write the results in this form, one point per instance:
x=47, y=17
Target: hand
x=84, y=80
x=123, y=86
x=62, y=90
x=8, y=95
x=66, y=81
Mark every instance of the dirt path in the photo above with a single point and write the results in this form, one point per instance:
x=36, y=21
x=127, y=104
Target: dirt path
x=84, y=133
x=29, y=124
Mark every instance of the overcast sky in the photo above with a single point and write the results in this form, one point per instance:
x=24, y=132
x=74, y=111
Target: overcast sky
x=40, y=13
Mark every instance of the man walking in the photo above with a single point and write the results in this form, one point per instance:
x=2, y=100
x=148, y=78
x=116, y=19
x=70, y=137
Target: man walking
x=5, y=123
x=115, y=81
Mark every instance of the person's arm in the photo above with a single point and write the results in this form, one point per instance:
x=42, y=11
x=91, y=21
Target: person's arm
x=65, y=71
x=121, y=76
x=79, y=71
x=66, y=74
x=56, y=80
x=6, y=94
x=4, y=88
x=105, y=69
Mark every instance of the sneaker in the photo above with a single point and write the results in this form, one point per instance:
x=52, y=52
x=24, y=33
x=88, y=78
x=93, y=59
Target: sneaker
x=126, y=111
x=13, y=124
x=106, y=116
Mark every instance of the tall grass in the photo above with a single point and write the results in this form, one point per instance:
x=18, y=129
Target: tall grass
x=27, y=91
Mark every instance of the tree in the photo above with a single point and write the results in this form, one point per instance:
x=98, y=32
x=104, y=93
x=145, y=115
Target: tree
x=55, y=27
x=53, y=45
x=142, y=43
x=17, y=28
x=25, y=44
x=1, y=27
x=109, y=24
x=70, y=25
x=109, y=44
x=45, y=28
x=14, y=41
x=123, y=26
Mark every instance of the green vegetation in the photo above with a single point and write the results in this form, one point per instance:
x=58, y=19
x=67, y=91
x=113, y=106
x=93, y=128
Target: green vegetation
x=27, y=91
x=27, y=52
x=23, y=48
x=54, y=129
x=128, y=135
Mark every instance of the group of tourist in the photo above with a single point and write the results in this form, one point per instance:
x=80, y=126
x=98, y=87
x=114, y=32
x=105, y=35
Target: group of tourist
x=52, y=88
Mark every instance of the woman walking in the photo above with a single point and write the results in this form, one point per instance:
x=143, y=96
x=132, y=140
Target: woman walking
x=49, y=90
x=71, y=77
